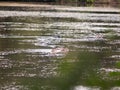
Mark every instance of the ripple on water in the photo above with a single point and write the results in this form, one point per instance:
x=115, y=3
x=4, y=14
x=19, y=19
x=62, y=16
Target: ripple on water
x=14, y=87
x=5, y=63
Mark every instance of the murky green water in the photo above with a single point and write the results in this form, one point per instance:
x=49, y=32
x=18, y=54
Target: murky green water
x=60, y=50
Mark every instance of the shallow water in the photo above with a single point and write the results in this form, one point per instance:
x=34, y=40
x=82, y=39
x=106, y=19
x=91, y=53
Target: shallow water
x=66, y=49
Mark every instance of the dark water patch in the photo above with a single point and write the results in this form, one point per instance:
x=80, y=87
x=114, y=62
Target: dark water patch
x=103, y=31
x=21, y=32
x=95, y=12
x=22, y=8
x=118, y=64
x=37, y=20
x=112, y=26
x=23, y=19
x=114, y=74
x=112, y=37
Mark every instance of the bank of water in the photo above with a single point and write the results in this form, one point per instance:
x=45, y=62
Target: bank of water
x=62, y=49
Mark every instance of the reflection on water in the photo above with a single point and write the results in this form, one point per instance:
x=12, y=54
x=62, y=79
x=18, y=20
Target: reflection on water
x=85, y=88
x=68, y=49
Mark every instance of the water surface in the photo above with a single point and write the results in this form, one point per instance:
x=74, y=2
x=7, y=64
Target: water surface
x=65, y=49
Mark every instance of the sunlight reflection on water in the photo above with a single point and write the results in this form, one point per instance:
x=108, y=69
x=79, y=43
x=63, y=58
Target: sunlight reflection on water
x=85, y=88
